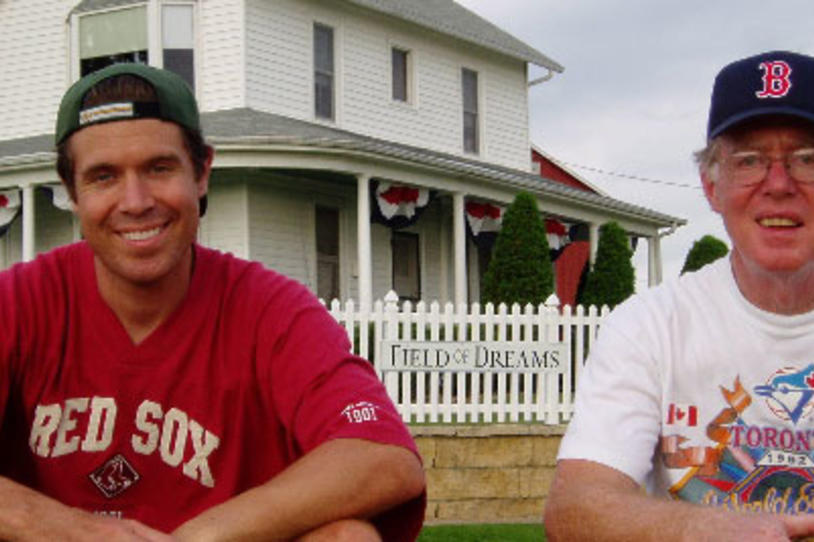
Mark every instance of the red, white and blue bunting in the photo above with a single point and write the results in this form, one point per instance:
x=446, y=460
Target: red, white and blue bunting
x=556, y=233
x=9, y=209
x=483, y=222
x=397, y=206
x=59, y=196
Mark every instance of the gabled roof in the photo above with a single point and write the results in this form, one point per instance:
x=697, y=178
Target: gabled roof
x=567, y=170
x=245, y=126
x=444, y=16
x=448, y=17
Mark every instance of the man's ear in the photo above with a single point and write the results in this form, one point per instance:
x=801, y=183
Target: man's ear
x=711, y=192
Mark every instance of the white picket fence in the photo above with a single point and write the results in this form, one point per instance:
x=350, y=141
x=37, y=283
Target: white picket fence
x=467, y=396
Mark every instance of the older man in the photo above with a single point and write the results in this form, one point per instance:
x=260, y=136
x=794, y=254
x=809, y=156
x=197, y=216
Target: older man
x=154, y=389
x=703, y=389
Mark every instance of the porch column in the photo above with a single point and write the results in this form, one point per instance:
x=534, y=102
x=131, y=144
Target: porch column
x=459, y=233
x=28, y=222
x=593, y=240
x=363, y=241
x=153, y=33
x=654, y=260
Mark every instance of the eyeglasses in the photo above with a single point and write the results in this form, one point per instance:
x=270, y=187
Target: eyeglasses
x=747, y=168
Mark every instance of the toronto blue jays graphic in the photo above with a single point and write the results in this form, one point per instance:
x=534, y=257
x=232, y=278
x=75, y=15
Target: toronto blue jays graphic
x=789, y=393
x=749, y=466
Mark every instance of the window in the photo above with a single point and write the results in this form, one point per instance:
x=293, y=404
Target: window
x=323, y=71
x=121, y=35
x=327, y=226
x=400, y=60
x=112, y=37
x=177, y=41
x=469, y=80
x=406, y=276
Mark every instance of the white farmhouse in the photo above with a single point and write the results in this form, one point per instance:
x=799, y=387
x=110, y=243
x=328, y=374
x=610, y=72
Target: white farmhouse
x=323, y=114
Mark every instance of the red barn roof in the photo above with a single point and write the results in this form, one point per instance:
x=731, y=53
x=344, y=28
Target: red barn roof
x=547, y=167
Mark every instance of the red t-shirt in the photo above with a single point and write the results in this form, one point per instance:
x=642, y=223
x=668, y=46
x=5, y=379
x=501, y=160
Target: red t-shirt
x=248, y=374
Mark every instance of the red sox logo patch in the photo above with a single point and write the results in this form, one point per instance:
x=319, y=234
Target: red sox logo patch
x=114, y=476
x=776, y=79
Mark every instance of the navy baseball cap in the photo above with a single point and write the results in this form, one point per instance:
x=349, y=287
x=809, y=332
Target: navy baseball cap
x=774, y=83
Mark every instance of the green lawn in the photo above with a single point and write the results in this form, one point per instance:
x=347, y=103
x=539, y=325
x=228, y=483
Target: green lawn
x=483, y=533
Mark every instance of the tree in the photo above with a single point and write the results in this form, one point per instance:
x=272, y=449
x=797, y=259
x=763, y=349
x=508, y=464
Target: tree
x=706, y=250
x=520, y=270
x=612, y=278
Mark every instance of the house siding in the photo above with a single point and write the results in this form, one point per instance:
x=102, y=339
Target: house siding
x=34, y=64
x=278, y=57
x=505, y=114
x=281, y=217
x=282, y=226
x=220, y=55
x=279, y=79
x=224, y=226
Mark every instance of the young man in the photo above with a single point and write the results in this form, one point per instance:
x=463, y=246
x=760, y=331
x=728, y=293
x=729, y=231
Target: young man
x=153, y=389
x=703, y=389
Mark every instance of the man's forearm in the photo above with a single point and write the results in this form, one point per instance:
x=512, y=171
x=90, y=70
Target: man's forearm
x=591, y=502
x=343, y=478
x=26, y=515
x=24, y=511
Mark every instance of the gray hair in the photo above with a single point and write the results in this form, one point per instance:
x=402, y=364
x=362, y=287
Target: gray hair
x=707, y=158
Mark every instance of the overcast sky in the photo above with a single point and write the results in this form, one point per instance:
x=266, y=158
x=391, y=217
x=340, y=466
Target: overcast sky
x=634, y=96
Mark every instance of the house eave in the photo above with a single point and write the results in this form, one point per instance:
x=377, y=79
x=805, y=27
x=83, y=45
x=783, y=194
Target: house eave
x=241, y=152
x=27, y=162
x=246, y=138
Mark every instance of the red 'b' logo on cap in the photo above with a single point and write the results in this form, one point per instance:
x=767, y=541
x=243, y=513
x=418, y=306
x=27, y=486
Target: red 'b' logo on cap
x=776, y=79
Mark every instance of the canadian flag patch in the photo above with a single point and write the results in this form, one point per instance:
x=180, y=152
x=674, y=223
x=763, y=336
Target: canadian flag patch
x=682, y=414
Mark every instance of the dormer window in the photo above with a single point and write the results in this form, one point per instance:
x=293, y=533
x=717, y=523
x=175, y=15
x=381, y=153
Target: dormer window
x=111, y=37
x=131, y=33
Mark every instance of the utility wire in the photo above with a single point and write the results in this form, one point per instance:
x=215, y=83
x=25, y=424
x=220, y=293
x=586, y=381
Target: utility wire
x=627, y=175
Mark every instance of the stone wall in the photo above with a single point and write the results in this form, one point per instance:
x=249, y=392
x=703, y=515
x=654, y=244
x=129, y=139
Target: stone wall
x=487, y=473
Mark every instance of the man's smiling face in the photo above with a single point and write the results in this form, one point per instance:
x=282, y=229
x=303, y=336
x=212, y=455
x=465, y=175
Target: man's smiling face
x=137, y=198
x=770, y=222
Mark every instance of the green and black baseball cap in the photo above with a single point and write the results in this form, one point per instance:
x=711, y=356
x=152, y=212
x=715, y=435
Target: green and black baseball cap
x=175, y=101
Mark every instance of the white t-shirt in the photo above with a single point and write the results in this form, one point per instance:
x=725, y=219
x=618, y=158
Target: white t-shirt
x=699, y=394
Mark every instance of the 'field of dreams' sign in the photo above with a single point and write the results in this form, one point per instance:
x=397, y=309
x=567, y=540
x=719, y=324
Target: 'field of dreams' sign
x=484, y=357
